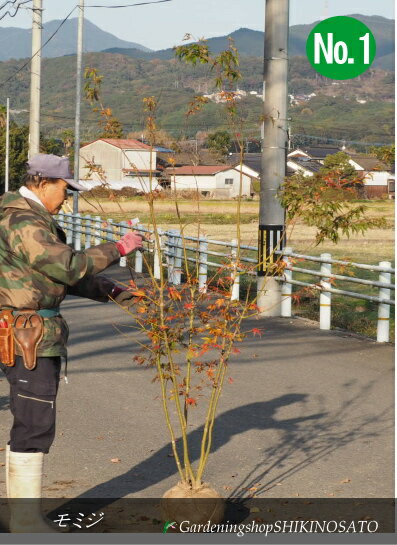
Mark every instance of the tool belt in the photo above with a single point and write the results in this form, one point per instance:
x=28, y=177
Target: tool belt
x=24, y=328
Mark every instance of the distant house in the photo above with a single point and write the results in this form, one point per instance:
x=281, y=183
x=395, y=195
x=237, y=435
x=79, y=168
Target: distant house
x=319, y=153
x=304, y=165
x=124, y=163
x=218, y=181
x=251, y=160
x=374, y=173
x=391, y=186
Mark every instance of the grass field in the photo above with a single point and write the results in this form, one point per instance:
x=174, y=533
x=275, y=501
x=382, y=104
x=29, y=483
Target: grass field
x=218, y=221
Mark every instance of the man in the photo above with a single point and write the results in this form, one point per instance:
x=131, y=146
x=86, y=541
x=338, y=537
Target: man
x=37, y=270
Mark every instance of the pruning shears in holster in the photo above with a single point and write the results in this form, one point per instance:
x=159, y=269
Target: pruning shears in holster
x=28, y=332
x=25, y=328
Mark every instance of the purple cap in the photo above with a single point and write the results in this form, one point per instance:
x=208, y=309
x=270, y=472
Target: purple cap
x=52, y=166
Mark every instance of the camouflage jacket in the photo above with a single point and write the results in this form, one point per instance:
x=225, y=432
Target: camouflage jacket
x=38, y=269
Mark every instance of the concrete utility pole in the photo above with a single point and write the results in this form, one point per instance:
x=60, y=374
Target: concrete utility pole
x=7, y=165
x=275, y=145
x=78, y=104
x=35, y=80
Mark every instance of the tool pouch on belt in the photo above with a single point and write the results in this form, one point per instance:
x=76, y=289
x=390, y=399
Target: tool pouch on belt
x=28, y=332
x=7, y=349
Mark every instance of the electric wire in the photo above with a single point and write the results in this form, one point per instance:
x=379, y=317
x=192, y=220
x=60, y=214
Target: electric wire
x=16, y=8
x=38, y=51
x=129, y=5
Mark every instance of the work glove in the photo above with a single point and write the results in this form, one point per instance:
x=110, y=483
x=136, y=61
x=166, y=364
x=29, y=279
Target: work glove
x=122, y=297
x=129, y=242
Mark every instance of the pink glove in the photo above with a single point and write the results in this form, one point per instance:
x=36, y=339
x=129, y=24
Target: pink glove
x=129, y=243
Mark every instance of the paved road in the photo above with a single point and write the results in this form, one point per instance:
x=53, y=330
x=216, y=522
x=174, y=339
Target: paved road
x=309, y=413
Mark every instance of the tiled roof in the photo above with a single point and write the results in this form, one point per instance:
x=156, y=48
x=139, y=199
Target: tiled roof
x=200, y=170
x=369, y=162
x=123, y=143
x=306, y=163
x=251, y=160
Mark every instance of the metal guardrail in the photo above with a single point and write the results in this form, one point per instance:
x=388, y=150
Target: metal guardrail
x=86, y=231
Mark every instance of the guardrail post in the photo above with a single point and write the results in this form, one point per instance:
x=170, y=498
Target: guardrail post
x=286, y=287
x=138, y=254
x=110, y=236
x=123, y=231
x=383, y=328
x=171, y=255
x=235, y=295
x=69, y=228
x=178, y=251
x=77, y=237
x=325, y=296
x=97, y=231
x=88, y=232
x=203, y=267
x=60, y=219
x=158, y=255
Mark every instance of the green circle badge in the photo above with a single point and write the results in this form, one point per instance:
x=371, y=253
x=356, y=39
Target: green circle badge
x=341, y=48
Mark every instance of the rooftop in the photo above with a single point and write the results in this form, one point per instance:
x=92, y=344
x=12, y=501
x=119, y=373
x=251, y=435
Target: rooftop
x=307, y=163
x=369, y=162
x=124, y=143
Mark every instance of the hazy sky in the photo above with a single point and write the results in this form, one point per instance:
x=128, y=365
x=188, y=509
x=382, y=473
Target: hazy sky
x=163, y=25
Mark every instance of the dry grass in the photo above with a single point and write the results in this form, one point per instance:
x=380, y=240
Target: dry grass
x=376, y=245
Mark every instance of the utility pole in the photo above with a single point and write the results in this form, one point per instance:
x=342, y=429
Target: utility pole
x=78, y=104
x=35, y=80
x=7, y=166
x=274, y=151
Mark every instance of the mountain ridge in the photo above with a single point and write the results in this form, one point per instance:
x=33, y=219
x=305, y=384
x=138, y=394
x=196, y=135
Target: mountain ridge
x=15, y=43
x=250, y=42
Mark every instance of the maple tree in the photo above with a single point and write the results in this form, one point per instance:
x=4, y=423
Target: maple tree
x=192, y=330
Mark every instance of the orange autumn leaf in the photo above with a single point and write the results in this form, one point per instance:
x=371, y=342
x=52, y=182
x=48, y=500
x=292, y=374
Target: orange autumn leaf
x=138, y=293
x=174, y=294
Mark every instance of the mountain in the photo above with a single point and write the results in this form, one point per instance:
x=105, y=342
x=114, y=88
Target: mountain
x=251, y=42
x=333, y=113
x=16, y=43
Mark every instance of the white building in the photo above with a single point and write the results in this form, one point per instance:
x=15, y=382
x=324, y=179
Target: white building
x=122, y=162
x=218, y=181
x=374, y=173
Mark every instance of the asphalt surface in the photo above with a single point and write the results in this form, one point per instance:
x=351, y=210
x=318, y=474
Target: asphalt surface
x=309, y=414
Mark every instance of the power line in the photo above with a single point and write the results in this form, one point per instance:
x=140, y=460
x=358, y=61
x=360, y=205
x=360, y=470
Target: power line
x=39, y=50
x=16, y=8
x=129, y=5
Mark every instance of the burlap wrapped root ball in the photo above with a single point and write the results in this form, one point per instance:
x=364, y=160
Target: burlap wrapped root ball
x=198, y=505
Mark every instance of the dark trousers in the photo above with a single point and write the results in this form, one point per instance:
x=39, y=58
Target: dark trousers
x=32, y=404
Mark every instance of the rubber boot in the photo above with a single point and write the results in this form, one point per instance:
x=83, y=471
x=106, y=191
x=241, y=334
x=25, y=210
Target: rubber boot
x=25, y=473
